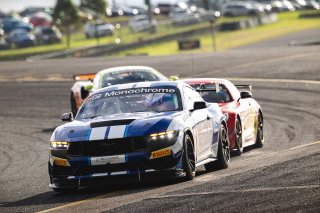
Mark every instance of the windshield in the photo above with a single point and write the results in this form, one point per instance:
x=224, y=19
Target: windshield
x=220, y=95
x=155, y=99
x=128, y=77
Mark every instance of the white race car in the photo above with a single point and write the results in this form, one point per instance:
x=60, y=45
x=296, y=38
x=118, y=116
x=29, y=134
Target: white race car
x=87, y=83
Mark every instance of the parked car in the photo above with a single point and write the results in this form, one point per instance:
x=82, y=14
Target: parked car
x=140, y=23
x=181, y=17
x=245, y=122
x=21, y=38
x=239, y=8
x=162, y=129
x=87, y=83
x=28, y=11
x=98, y=28
x=40, y=19
x=48, y=35
x=12, y=23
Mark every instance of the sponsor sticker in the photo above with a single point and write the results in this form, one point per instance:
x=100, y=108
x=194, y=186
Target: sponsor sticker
x=61, y=162
x=161, y=153
x=108, y=159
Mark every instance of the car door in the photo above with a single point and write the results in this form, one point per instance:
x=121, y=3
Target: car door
x=246, y=118
x=203, y=124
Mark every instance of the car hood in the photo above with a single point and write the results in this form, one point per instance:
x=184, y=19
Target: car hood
x=114, y=126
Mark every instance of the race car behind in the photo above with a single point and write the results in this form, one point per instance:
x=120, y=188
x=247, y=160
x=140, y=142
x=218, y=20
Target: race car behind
x=245, y=123
x=88, y=83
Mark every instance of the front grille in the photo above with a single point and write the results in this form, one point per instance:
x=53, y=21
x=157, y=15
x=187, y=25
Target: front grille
x=108, y=147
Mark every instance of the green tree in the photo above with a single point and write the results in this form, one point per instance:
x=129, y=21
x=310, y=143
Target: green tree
x=65, y=15
x=98, y=6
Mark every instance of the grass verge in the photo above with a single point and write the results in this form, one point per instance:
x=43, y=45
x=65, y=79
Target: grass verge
x=287, y=23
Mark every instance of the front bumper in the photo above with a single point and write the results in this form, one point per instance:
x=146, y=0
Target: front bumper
x=136, y=166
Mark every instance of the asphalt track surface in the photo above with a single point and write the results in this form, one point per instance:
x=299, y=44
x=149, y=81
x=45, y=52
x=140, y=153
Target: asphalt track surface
x=283, y=176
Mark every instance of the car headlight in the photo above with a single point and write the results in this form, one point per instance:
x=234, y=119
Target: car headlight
x=59, y=145
x=164, y=135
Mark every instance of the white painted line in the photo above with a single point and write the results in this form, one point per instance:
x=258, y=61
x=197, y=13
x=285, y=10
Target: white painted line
x=239, y=191
x=305, y=145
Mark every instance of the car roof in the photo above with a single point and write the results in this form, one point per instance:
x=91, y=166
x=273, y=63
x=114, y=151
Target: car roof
x=205, y=81
x=125, y=69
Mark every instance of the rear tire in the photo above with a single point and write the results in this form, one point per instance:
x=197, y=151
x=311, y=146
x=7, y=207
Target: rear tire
x=189, y=163
x=223, y=152
x=239, y=144
x=260, y=138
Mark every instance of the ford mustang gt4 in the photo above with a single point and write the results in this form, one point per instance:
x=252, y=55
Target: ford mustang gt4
x=135, y=131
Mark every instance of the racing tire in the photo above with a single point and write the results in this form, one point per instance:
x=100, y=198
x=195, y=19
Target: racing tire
x=66, y=190
x=238, y=139
x=260, y=138
x=223, y=152
x=188, y=158
x=74, y=109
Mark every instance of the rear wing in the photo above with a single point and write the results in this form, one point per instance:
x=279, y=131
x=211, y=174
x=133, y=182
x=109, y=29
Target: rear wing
x=84, y=77
x=244, y=87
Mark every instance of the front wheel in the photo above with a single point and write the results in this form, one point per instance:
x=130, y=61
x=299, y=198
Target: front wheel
x=189, y=163
x=223, y=152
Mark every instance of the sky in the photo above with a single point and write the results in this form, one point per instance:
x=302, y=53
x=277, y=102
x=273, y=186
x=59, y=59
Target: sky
x=18, y=5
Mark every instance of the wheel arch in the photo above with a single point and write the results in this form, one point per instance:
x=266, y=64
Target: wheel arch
x=188, y=131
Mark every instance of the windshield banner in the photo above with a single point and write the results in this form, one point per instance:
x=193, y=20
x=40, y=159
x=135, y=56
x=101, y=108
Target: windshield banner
x=132, y=91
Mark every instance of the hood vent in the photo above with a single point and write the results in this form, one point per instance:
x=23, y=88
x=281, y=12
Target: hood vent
x=111, y=123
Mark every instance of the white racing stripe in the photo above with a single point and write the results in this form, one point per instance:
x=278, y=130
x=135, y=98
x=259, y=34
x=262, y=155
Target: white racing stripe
x=117, y=132
x=98, y=133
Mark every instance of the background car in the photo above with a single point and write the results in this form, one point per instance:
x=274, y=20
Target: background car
x=245, y=123
x=21, y=38
x=132, y=130
x=181, y=17
x=88, y=83
x=239, y=8
x=98, y=28
x=40, y=19
x=141, y=23
x=13, y=23
x=48, y=35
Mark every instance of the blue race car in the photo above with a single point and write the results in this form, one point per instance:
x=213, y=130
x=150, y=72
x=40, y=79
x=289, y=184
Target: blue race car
x=136, y=131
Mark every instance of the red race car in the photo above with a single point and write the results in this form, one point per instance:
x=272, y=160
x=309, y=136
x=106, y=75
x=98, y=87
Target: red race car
x=245, y=123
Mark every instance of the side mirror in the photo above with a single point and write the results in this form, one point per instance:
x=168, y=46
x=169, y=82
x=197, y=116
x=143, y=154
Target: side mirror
x=173, y=78
x=245, y=94
x=67, y=117
x=199, y=105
